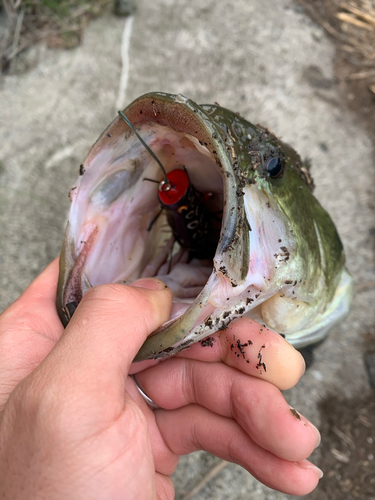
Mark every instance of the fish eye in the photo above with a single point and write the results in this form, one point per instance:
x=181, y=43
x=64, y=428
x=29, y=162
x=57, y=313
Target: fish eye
x=274, y=167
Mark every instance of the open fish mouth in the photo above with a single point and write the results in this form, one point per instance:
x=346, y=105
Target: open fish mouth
x=223, y=244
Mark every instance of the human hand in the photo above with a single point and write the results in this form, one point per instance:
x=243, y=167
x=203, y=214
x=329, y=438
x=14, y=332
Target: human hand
x=73, y=425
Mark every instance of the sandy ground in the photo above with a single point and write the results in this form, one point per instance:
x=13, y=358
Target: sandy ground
x=265, y=59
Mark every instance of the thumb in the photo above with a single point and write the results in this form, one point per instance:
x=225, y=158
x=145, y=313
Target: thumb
x=115, y=320
x=94, y=354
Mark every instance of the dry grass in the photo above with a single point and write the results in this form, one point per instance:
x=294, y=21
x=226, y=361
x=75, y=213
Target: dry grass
x=59, y=23
x=352, y=24
x=357, y=23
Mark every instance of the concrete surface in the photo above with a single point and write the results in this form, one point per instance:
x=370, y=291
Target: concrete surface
x=263, y=58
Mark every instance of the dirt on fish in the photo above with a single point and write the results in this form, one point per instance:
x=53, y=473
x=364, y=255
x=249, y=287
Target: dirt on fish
x=208, y=342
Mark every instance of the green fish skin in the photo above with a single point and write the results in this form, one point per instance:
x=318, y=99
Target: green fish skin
x=278, y=255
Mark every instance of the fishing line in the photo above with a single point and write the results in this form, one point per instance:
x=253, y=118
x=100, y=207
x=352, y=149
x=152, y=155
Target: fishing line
x=127, y=121
x=151, y=180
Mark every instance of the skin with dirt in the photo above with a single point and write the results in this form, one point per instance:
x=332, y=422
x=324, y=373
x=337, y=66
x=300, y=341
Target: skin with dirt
x=277, y=255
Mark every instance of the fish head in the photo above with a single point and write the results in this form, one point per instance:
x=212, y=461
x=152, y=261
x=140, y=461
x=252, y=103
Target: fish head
x=247, y=238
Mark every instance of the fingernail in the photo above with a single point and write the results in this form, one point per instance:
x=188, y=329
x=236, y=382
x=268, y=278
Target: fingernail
x=318, y=436
x=303, y=363
x=305, y=464
x=150, y=283
x=304, y=419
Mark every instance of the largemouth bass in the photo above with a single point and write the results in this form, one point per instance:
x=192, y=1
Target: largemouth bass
x=246, y=236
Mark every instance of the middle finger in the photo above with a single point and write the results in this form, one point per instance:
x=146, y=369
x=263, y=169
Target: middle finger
x=258, y=406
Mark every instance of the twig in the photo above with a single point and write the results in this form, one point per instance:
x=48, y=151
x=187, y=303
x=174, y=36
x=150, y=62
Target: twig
x=341, y=457
x=40, y=38
x=8, y=8
x=11, y=8
x=5, y=42
x=344, y=437
x=368, y=63
x=359, y=13
x=211, y=474
x=362, y=74
x=17, y=31
x=353, y=20
x=349, y=48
